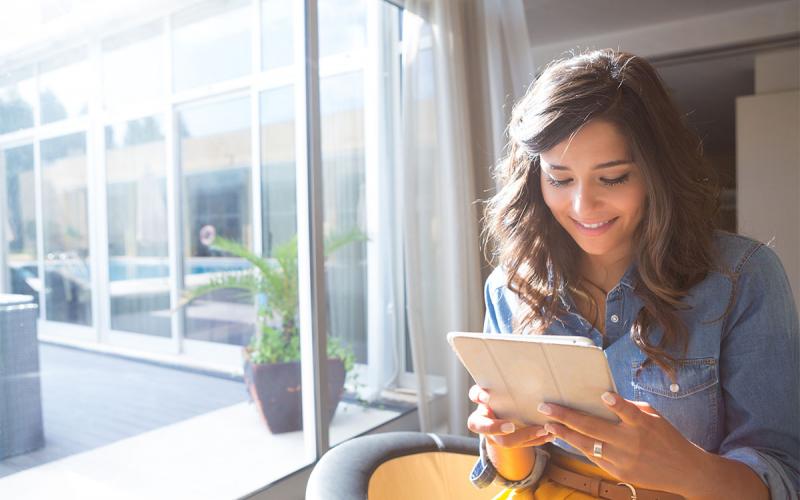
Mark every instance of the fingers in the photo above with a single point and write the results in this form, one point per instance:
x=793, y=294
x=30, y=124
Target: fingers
x=627, y=411
x=582, y=442
x=534, y=435
x=595, y=427
x=512, y=441
x=481, y=421
x=478, y=395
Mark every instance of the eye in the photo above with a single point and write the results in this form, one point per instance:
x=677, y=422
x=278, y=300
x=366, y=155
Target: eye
x=617, y=180
x=557, y=183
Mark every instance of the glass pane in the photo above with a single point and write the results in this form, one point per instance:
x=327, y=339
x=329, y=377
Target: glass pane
x=362, y=330
x=133, y=68
x=277, y=44
x=21, y=222
x=278, y=189
x=342, y=26
x=17, y=98
x=211, y=44
x=138, y=268
x=63, y=90
x=215, y=169
x=342, y=105
x=66, y=232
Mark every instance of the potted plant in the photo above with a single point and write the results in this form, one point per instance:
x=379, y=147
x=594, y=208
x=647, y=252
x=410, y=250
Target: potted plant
x=272, y=358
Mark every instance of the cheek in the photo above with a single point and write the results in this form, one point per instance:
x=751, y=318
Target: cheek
x=553, y=198
x=633, y=203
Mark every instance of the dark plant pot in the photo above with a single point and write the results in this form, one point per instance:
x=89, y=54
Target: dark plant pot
x=275, y=388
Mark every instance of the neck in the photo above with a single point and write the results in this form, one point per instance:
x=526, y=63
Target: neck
x=605, y=271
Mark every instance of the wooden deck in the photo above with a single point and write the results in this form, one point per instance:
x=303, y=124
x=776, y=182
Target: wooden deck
x=91, y=400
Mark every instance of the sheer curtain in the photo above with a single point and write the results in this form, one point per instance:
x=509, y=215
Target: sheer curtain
x=442, y=118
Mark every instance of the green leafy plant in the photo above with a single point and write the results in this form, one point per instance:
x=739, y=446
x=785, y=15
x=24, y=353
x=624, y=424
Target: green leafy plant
x=274, y=283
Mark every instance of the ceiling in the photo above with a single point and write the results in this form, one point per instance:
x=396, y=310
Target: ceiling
x=552, y=21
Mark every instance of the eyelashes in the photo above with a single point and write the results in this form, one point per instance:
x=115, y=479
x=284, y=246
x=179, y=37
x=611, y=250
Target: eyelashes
x=608, y=182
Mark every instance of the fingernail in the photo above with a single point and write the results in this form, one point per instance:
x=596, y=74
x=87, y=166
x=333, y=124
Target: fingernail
x=549, y=428
x=483, y=397
x=545, y=408
x=507, y=427
x=609, y=398
x=541, y=432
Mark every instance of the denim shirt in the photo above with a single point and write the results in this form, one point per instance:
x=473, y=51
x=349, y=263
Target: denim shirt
x=736, y=391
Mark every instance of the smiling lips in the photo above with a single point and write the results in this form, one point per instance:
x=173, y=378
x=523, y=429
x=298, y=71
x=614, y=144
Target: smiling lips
x=594, y=228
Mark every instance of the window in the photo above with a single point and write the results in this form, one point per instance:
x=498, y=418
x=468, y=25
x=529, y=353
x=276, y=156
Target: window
x=136, y=190
x=127, y=158
x=63, y=92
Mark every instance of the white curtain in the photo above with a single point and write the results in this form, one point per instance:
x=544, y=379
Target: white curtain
x=509, y=63
x=436, y=192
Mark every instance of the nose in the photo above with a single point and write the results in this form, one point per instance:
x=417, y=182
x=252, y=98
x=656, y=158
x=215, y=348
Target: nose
x=585, y=200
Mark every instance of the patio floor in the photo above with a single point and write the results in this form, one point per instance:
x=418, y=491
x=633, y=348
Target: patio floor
x=91, y=400
x=123, y=429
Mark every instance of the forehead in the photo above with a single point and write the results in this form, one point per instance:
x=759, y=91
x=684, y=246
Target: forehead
x=597, y=141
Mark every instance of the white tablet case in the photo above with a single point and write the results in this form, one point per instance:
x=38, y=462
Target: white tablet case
x=521, y=371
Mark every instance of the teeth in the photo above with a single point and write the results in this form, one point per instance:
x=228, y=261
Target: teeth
x=594, y=226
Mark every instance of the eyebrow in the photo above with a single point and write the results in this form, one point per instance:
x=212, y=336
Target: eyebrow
x=612, y=163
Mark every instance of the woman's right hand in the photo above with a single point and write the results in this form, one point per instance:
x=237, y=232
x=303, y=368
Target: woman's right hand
x=501, y=432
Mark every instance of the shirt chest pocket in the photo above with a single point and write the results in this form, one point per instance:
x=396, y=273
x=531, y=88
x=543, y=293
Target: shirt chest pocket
x=690, y=402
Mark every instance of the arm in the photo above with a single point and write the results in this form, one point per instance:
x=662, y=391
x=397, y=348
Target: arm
x=509, y=453
x=759, y=366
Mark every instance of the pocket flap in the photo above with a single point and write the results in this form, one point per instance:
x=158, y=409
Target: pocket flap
x=692, y=375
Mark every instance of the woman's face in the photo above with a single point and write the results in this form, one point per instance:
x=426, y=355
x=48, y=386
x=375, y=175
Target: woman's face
x=594, y=190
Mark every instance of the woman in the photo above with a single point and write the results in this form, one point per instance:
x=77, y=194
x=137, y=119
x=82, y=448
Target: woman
x=603, y=228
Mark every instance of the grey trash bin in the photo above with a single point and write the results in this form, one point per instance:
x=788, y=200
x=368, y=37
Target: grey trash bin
x=21, y=429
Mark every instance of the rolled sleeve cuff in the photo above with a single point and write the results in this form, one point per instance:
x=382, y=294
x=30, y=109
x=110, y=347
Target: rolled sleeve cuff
x=484, y=473
x=770, y=469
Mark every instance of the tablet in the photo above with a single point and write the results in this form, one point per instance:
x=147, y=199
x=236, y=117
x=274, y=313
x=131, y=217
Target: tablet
x=522, y=371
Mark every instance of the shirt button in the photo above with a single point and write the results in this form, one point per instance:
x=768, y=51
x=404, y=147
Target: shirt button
x=614, y=318
x=674, y=388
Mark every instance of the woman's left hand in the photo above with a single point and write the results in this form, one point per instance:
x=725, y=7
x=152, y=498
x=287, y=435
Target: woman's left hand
x=643, y=448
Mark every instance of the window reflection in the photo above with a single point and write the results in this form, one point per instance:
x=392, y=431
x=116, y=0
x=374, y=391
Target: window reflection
x=133, y=68
x=278, y=191
x=138, y=268
x=21, y=221
x=342, y=108
x=277, y=43
x=62, y=87
x=17, y=97
x=215, y=169
x=342, y=26
x=211, y=43
x=66, y=232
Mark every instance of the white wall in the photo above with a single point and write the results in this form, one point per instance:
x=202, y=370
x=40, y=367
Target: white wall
x=768, y=159
x=777, y=20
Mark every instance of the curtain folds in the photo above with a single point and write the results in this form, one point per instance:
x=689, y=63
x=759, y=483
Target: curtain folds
x=443, y=118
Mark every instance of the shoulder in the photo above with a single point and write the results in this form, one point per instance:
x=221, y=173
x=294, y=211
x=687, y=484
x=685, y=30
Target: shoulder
x=741, y=257
x=496, y=282
x=734, y=251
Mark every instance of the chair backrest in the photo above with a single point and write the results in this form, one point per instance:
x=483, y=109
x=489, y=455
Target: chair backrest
x=397, y=466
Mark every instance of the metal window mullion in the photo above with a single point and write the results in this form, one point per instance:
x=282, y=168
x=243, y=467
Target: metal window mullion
x=174, y=222
x=311, y=271
x=5, y=280
x=37, y=192
x=255, y=131
x=96, y=203
x=374, y=154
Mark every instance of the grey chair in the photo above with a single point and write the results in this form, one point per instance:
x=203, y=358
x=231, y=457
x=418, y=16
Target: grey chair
x=398, y=466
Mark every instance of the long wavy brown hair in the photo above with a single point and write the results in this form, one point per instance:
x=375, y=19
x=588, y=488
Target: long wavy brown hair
x=673, y=247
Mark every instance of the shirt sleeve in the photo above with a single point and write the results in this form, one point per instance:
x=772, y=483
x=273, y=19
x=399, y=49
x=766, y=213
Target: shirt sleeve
x=759, y=366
